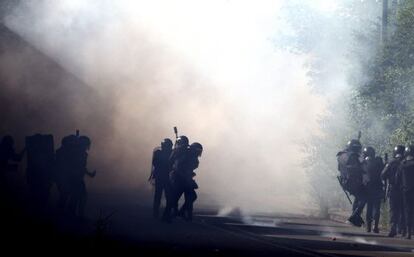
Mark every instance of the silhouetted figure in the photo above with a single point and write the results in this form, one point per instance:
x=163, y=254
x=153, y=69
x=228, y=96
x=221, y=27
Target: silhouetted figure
x=188, y=184
x=372, y=166
x=78, y=193
x=405, y=178
x=40, y=161
x=350, y=168
x=8, y=155
x=177, y=159
x=394, y=192
x=64, y=169
x=160, y=173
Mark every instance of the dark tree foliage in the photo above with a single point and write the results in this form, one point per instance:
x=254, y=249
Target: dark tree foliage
x=385, y=100
x=340, y=45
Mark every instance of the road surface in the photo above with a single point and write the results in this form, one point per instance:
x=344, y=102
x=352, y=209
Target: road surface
x=213, y=232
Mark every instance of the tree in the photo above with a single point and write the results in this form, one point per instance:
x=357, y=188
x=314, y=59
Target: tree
x=340, y=45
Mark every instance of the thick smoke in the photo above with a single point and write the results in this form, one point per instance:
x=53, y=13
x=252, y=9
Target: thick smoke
x=208, y=67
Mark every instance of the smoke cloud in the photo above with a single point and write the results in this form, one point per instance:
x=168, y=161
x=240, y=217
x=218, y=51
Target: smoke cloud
x=141, y=67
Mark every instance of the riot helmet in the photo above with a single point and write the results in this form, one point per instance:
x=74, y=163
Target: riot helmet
x=68, y=140
x=409, y=150
x=368, y=152
x=7, y=141
x=399, y=151
x=84, y=142
x=182, y=141
x=197, y=148
x=354, y=146
x=166, y=144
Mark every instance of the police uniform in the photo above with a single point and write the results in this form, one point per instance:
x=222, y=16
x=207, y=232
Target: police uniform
x=372, y=167
x=405, y=177
x=395, y=195
x=162, y=168
x=350, y=168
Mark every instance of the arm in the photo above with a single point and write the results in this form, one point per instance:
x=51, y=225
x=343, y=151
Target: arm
x=386, y=171
x=83, y=163
x=154, y=161
x=385, y=174
x=381, y=163
x=398, y=177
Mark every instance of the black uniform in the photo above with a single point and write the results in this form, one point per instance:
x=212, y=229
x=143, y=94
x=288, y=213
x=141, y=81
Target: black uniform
x=161, y=172
x=395, y=196
x=71, y=168
x=188, y=184
x=350, y=168
x=7, y=154
x=374, y=188
x=65, y=165
x=40, y=162
x=78, y=193
x=177, y=159
x=405, y=178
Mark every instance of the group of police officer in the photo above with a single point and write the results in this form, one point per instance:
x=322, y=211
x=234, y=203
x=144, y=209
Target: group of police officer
x=173, y=173
x=66, y=168
x=371, y=182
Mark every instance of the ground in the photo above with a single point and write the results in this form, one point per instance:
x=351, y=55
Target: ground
x=131, y=228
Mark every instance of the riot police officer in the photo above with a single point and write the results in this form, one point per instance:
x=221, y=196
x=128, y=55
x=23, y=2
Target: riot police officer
x=64, y=169
x=405, y=178
x=8, y=160
x=7, y=154
x=350, y=168
x=161, y=168
x=394, y=192
x=177, y=159
x=78, y=193
x=372, y=166
x=39, y=168
x=188, y=184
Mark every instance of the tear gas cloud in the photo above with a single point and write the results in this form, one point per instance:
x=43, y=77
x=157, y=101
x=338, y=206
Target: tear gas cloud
x=208, y=67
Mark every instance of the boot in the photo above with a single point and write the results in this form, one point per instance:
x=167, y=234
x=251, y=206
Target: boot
x=361, y=220
x=356, y=220
x=393, y=232
x=369, y=227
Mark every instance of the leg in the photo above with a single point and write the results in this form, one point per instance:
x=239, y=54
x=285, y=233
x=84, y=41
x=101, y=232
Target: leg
x=359, y=205
x=354, y=204
x=175, y=193
x=402, y=221
x=409, y=210
x=192, y=198
x=157, y=198
x=377, y=213
x=177, y=199
x=83, y=197
x=75, y=197
x=185, y=209
x=393, y=214
x=369, y=214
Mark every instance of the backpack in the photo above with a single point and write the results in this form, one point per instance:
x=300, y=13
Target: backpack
x=351, y=171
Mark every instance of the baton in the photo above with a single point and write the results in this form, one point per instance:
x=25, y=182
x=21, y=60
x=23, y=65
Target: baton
x=347, y=196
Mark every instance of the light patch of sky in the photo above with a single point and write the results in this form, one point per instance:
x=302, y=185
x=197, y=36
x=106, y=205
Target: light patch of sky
x=229, y=39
